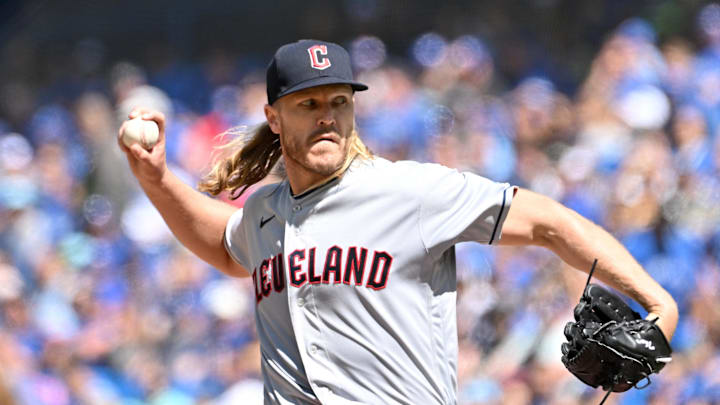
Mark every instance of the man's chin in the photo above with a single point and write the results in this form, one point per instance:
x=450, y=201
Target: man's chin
x=324, y=165
x=325, y=169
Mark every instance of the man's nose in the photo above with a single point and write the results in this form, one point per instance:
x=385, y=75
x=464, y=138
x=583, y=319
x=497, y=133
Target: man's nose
x=326, y=117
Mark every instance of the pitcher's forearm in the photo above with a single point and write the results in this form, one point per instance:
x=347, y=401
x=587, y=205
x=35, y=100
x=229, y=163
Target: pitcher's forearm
x=534, y=219
x=195, y=219
x=579, y=242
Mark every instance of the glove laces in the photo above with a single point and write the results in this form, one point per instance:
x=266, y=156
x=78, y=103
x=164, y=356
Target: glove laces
x=592, y=270
x=587, y=283
x=607, y=395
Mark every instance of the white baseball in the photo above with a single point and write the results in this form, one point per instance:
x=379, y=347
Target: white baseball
x=138, y=130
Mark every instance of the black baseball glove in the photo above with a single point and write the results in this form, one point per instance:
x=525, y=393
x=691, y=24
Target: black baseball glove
x=610, y=345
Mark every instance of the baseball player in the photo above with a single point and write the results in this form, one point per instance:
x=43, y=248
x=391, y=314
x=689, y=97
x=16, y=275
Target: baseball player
x=351, y=255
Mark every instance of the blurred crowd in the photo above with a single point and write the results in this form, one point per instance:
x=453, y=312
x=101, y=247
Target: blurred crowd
x=100, y=305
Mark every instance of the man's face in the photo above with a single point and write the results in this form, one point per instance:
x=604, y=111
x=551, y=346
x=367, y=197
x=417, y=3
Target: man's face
x=315, y=126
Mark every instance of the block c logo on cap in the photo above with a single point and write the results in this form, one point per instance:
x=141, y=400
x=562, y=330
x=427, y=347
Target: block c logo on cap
x=318, y=57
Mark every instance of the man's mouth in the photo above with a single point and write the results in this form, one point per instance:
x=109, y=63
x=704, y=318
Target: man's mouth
x=326, y=137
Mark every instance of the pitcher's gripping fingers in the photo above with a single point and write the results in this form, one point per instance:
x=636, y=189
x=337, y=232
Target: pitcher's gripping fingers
x=146, y=114
x=147, y=165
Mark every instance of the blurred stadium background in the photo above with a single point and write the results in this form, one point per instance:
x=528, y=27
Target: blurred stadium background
x=611, y=107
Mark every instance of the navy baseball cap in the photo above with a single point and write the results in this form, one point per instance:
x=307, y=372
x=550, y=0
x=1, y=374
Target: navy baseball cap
x=308, y=63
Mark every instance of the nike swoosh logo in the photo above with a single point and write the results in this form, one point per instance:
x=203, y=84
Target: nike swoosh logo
x=265, y=221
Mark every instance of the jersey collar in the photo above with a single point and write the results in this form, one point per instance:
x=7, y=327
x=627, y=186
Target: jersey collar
x=306, y=193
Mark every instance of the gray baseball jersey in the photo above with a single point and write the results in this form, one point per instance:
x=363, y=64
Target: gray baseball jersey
x=355, y=280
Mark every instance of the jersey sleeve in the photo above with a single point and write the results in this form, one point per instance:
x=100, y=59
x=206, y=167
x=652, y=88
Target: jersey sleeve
x=234, y=235
x=460, y=207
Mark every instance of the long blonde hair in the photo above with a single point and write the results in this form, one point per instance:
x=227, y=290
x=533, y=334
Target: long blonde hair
x=252, y=155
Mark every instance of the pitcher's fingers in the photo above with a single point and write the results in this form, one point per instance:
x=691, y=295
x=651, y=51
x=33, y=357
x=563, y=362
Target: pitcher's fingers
x=139, y=153
x=137, y=110
x=159, y=119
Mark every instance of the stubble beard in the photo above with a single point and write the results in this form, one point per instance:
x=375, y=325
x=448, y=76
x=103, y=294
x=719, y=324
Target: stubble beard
x=317, y=165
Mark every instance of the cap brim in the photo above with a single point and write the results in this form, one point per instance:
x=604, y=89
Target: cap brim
x=322, y=81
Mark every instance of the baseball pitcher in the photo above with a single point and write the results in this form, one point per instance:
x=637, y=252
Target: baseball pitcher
x=352, y=256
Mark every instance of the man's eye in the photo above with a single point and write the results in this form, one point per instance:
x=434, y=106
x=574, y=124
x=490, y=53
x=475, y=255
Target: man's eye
x=341, y=100
x=308, y=103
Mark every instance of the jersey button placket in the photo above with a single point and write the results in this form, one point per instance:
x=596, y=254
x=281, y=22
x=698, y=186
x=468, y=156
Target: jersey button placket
x=303, y=310
x=296, y=302
x=296, y=211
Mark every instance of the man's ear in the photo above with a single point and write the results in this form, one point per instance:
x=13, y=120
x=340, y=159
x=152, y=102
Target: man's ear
x=273, y=119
